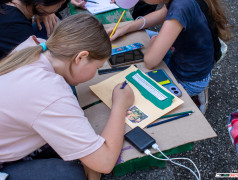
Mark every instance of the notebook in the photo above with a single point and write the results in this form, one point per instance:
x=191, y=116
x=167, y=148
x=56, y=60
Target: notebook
x=102, y=6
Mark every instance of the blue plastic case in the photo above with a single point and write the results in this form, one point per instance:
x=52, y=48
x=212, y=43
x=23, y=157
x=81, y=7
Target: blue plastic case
x=127, y=48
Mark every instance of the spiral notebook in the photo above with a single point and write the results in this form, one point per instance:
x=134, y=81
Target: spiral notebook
x=102, y=6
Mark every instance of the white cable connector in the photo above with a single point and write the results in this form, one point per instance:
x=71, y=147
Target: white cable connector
x=156, y=147
x=147, y=152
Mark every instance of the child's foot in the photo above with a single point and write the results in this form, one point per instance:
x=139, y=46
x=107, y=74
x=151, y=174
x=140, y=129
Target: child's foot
x=201, y=100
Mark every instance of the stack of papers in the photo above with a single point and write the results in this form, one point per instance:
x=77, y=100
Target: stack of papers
x=102, y=6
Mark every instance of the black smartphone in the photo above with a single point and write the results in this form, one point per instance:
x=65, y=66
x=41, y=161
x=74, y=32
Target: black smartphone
x=126, y=58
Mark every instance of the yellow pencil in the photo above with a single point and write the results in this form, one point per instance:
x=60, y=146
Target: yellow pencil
x=117, y=23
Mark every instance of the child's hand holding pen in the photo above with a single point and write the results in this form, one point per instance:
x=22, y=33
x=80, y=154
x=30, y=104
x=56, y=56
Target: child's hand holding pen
x=122, y=97
x=112, y=32
x=118, y=33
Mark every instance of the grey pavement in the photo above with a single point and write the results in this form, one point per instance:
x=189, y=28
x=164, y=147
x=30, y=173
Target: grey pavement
x=216, y=155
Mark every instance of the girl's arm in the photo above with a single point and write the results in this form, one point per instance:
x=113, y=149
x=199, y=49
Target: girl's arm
x=160, y=44
x=152, y=19
x=104, y=159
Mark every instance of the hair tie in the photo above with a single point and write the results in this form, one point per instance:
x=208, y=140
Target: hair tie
x=43, y=45
x=143, y=22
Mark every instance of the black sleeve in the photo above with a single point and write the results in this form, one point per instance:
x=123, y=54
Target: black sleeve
x=12, y=37
x=15, y=29
x=142, y=9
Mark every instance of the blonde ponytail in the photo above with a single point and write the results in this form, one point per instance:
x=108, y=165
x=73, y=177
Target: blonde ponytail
x=19, y=59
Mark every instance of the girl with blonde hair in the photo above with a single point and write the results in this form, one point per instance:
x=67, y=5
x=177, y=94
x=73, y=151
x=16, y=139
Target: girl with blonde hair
x=38, y=108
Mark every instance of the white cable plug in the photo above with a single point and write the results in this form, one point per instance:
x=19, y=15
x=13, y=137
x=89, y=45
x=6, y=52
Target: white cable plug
x=156, y=147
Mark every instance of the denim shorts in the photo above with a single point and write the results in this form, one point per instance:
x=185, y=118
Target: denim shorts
x=196, y=87
x=193, y=88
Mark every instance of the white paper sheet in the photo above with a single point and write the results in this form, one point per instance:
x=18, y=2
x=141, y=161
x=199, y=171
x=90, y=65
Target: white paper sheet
x=102, y=6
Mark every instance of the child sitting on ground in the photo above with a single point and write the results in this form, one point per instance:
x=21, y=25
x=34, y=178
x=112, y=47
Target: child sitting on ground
x=185, y=27
x=38, y=108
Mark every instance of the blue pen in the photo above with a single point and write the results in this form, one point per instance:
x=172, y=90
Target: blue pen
x=124, y=84
x=91, y=1
x=168, y=120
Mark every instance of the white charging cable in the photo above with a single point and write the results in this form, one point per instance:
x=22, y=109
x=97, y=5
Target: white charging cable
x=156, y=147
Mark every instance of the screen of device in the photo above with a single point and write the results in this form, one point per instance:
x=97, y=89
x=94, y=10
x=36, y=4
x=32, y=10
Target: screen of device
x=125, y=58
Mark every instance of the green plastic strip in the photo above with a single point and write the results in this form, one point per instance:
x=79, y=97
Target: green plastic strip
x=148, y=162
x=106, y=17
x=162, y=104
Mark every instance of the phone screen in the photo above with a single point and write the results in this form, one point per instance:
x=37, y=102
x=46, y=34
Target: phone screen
x=125, y=58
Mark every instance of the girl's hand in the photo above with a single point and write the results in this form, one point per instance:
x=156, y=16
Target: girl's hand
x=113, y=1
x=122, y=98
x=79, y=3
x=120, y=31
x=49, y=21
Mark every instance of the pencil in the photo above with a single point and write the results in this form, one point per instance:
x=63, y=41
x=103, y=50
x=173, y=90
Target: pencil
x=91, y=1
x=117, y=23
x=168, y=120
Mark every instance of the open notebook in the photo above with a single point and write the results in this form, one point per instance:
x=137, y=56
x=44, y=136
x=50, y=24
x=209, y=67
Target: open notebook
x=151, y=99
x=102, y=6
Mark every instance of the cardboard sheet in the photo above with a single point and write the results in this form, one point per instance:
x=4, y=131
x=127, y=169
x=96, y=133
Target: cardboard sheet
x=169, y=135
x=105, y=88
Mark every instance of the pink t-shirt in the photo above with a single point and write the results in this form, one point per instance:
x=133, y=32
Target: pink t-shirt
x=37, y=106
